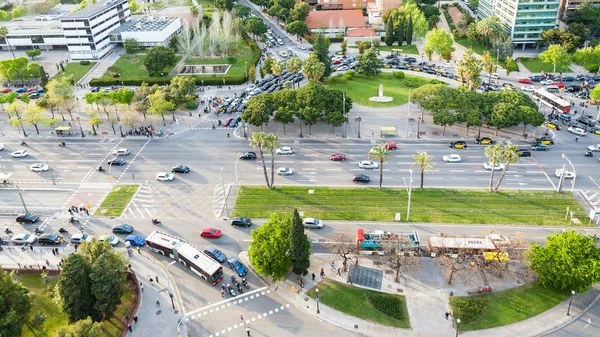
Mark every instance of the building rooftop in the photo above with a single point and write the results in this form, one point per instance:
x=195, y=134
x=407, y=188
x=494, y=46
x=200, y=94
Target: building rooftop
x=352, y=18
x=35, y=25
x=361, y=32
x=94, y=9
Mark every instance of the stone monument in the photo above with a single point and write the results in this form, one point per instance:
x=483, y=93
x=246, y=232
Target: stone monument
x=380, y=98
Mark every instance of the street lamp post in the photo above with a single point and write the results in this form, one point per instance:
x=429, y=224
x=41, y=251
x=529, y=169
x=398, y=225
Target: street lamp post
x=344, y=112
x=409, y=194
x=245, y=133
x=51, y=174
x=81, y=129
x=573, y=168
x=317, y=298
x=358, y=119
x=419, y=128
x=457, y=323
x=570, y=301
x=22, y=200
x=169, y=282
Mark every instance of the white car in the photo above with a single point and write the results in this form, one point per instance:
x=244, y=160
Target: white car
x=1, y=146
x=594, y=148
x=312, y=223
x=284, y=150
x=576, y=131
x=40, y=167
x=568, y=174
x=452, y=158
x=280, y=41
x=342, y=68
x=546, y=82
x=164, y=176
x=78, y=238
x=283, y=54
x=113, y=240
x=495, y=76
x=19, y=154
x=498, y=167
x=367, y=164
x=447, y=65
x=23, y=238
x=302, y=47
x=528, y=88
x=121, y=152
x=284, y=171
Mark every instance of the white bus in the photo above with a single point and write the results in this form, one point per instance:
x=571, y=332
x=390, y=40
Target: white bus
x=454, y=245
x=552, y=100
x=181, y=251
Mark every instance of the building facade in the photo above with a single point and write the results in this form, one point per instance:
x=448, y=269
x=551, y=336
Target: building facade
x=148, y=31
x=524, y=20
x=42, y=32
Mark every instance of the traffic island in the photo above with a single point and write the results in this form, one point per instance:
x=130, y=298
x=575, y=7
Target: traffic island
x=117, y=200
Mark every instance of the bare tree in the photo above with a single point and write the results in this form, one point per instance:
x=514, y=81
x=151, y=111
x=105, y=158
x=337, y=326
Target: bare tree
x=401, y=256
x=342, y=242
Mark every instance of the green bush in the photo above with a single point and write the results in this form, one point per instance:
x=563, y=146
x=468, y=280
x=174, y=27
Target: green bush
x=190, y=105
x=399, y=75
x=593, y=68
x=113, y=71
x=208, y=80
x=339, y=78
x=349, y=75
x=469, y=308
x=386, y=304
x=84, y=63
x=411, y=83
x=436, y=82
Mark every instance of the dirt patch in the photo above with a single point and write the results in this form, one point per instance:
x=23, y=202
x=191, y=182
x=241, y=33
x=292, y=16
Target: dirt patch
x=456, y=16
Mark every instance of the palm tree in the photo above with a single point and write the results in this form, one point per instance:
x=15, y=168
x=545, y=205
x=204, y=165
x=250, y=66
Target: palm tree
x=4, y=34
x=293, y=65
x=491, y=29
x=277, y=69
x=270, y=144
x=424, y=162
x=257, y=141
x=494, y=153
x=381, y=154
x=510, y=156
x=489, y=65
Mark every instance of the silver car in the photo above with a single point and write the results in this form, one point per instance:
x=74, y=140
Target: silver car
x=312, y=223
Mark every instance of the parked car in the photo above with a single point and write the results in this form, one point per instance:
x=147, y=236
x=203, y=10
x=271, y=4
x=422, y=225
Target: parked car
x=216, y=254
x=237, y=266
x=241, y=221
x=50, y=239
x=312, y=223
x=210, y=233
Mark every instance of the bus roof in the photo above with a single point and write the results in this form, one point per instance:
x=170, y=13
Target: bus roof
x=201, y=261
x=543, y=92
x=163, y=239
x=464, y=243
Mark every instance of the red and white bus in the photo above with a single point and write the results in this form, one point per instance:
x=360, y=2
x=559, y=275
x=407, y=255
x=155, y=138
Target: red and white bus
x=552, y=101
x=182, y=251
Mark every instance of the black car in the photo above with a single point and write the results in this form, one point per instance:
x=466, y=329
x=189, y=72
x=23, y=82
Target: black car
x=410, y=59
x=248, y=155
x=361, y=178
x=122, y=229
x=116, y=161
x=27, y=218
x=573, y=88
x=536, y=78
x=402, y=66
x=50, y=239
x=524, y=153
x=180, y=169
x=95, y=89
x=215, y=254
x=241, y=221
x=568, y=79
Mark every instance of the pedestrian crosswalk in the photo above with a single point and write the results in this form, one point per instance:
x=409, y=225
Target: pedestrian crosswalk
x=142, y=204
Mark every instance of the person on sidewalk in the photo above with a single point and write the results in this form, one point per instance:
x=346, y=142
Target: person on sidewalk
x=242, y=318
x=447, y=314
x=313, y=276
x=142, y=286
x=157, y=279
x=135, y=318
x=576, y=139
x=322, y=274
x=333, y=266
x=248, y=331
x=339, y=271
x=130, y=328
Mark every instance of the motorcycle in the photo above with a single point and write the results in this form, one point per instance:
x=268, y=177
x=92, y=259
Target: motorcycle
x=156, y=222
x=4, y=241
x=100, y=169
x=62, y=144
x=23, y=143
x=62, y=230
x=73, y=220
x=240, y=289
x=245, y=283
x=213, y=127
x=8, y=231
x=231, y=291
x=589, y=154
x=38, y=231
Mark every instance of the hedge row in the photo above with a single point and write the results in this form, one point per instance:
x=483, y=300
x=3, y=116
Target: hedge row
x=208, y=79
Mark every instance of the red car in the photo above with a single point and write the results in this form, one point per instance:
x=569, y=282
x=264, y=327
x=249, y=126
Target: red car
x=334, y=62
x=337, y=157
x=560, y=85
x=524, y=81
x=32, y=90
x=210, y=233
x=6, y=90
x=228, y=121
x=390, y=145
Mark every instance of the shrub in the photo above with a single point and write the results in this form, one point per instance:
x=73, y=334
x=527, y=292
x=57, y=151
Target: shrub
x=231, y=59
x=411, y=83
x=349, y=75
x=339, y=78
x=376, y=43
x=469, y=308
x=84, y=63
x=190, y=105
x=593, y=68
x=113, y=71
x=388, y=305
x=436, y=82
x=399, y=75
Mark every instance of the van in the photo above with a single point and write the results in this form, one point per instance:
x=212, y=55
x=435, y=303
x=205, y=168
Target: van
x=552, y=89
x=215, y=254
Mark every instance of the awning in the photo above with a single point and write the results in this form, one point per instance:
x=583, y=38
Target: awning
x=63, y=128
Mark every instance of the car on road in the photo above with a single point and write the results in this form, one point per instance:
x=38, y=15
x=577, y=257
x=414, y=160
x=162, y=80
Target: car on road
x=6, y=90
x=337, y=157
x=390, y=145
x=180, y=169
x=539, y=147
x=21, y=90
x=215, y=254
x=210, y=233
x=447, y=65
x=547, y=82
x=228, y=121
x=568, y=174
x=284, y=150
x=312, y=223
x=498, y=167
x=459, y=144
x=241, y=221
x=121, y=152
x=495, y=76
x=452, y=158
x=19, y=154
x=1, y=146
x=594, y=148
x=553, y=125
x=95, y=89
x=595, y=131
x=50, y=239
x=508, y=86
x=237, y=266
x=78, y=238
x=528, y=88
x=302, y=47
x=484, y=141
x=113, y=240
x=165, y=176
x=284, y=171
x=361, y=178
x=545, y=140
x=23, y=238
x=122, y=229
x=39, y=167
x=135, y=240
x=27, y=218
x=248, y=155
x=116, y=161
x=525, y=81
x=577, y=131
x=524, y=153
x=367, y=164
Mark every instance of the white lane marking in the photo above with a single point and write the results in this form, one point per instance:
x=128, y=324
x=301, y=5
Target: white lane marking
x=333, y=169
x=595, y=183
x=456, y=171
x=95, y=154
x=308, y=169
x=550, y=180
x=74, y=154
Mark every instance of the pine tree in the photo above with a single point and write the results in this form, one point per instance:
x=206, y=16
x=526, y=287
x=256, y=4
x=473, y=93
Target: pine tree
x=43, y=77
x=389, y=32
x=322, y=52
x=300, y=247
x=400, y=32
x=409, y=30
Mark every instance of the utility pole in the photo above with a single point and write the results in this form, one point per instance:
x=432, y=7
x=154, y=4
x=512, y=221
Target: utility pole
x=22, y=200
x=224, y=194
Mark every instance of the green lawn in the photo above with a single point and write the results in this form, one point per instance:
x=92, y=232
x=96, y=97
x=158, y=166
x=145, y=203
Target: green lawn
x=115, y=202
x=410, y=49
x=242, y=54
x=76, y=70
x=360, y=88
x=132, y=66
x=504, y=307
x=476, y=46
x=536, y=66
x=537, y=208
x=354, y=301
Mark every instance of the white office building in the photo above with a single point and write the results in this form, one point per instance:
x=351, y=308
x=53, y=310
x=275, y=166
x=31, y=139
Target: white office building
x=148, y=31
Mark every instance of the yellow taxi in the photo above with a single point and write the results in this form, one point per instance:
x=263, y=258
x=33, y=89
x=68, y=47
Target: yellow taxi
x=458, y=79
x=387, y=66
x=340, y=52
x=553, y=125
x=417, y=69
x=459, y=144
x=484, y=141
x=596, y=131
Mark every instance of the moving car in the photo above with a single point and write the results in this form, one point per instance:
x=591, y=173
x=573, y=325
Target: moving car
x=39, y=167
x=568, y=174
x=528, y=88
x=361, y=178
x=50, y=239
x=241, y=221
x=312, y=223
x=524, y=81
x=122, y=229
x=284, y=171
x=452, y=158
x=78, y=238
x=135, y=240
x=367, y=164
x=498, y=167
x=19, y=154
x=116, y=161
x=539, y=147
x=545, y=140
x=284, y=150
x=523, y=153
x=113, y=240
x=484, y=141
x=210, y=233
x=237, y=266
x=594, y=148
x=27, y=218
x=180, y=169
x=23, y=238
x=121, y=152
x=337, y=157
x=459, y=144
x=390, y=145
x=248, y=155
x=215, y=254
x=164, y=176
x=577, y=131
x=553, y=125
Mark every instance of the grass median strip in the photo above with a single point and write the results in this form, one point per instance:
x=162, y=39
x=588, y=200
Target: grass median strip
x=115, y=202
x=536, y=208
x=363, y=303
x=504, y=307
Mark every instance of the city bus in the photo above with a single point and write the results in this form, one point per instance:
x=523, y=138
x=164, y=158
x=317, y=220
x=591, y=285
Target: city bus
x=375, y=242
x=454, y=245
x=551, y=100
x=182, y=251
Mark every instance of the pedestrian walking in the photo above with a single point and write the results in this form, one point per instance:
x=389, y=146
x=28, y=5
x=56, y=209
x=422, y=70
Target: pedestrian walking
x=157, y=301
x=242, y=318
x=248, y=331
x=139, y=250
x=576, y=139
x=301, y=284
x=313, y=276
x=53, y=252
x=48, y=263
x=349, y=280
x=322, y=273
x=135, y=318
x=333, y=266
x=130, y=328
x=31, y=247
x=157, y=279
x=227, y=134
x=222, y=293
x=142, y=286
x=447, y=314
x=339, y=271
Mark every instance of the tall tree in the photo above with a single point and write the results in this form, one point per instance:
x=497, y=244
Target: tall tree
x=258, y=110
x=424, y=162
x=252, y=73
x=389, y=33
x=439, y=42
x=369, y=63
x=267, y=65
x=83, y=328
x=34, y=115
x=4, y=34
x=344, y=46
x=494, y=153
x=33, y=53
x=75, y=289
x=94, y=121
x=469, y=68
x=257, y=141
x=511, y=66
x=313, y=68
x=287, y=107
x=15, y=305
x=107, y=277
x=508, y=155
x=255, y=26
x=43, y=77
x=293, y=65
x=300, y=12
x=269, y=251
x=271, y=144
x=158, y=58
x=489, y=64
x=299, y=247
x=400, y=35
x=380, y=154
x=159, y=104
x=321, y=50
x=297, y=28
x=557, y=55
x=409, y=30
x=340, y=243
x=62, y=93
